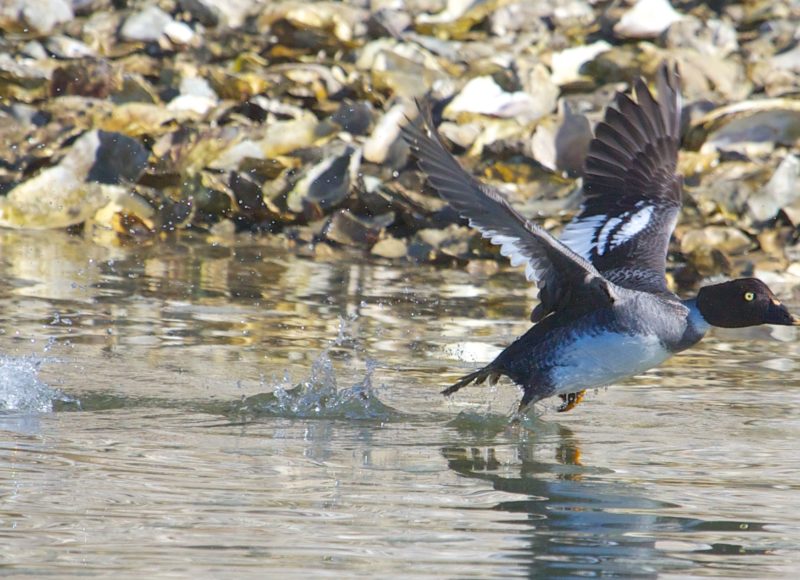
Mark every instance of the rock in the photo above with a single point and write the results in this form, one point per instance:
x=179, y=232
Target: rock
x=147, y=25
x=710, y=37
x=251, y=210
x=23, y=80
x=40, y=15
x=123, y=209
x=456, y=20
x=58, y=196
x=313, y=26
x=726, y=187
x=646, y=19
x=179, y=33
x=232, y=157
x=751, y=127
x=454, y=241
x=100, y=31
x=207, y=12
x=789, y=60
x=355, y=118
x=538, y=84
x=781, y=191
x=454, y=10
x=231, y=13
x=519, y=17
x=350, y=230
x=572, y=141
x=388, y=21
x=117, y=159
x=87, y=77
x=562, y=146
x=619, y=64
x=482, y=95
x=386, y=134
x=403, y=69
x=463, y=135
x=135, y=88
x=567, y=64
x=543, y=144
x=283, y=137
x=573, y=13
x=390, y=248
x=197, y=86
x=705, y=76
x=87, y=7
x=34, y=50
x=325, y=185
x=196, y=95
x=729, y=240
x=259, y=112
x=65, y=47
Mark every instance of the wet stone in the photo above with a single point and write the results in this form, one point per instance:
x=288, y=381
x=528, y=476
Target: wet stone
x=782, y=190
x=40, y=15
x=646, y=19
x=355, y=118
x=729, y=240
x=567, y=65
x=284, y=117
x=390, y=248
x=65, y=47
x=712, y=37
x=118, y=158
x=35, y=50
x=325, y=185
x=58, y=196
x=350, y=230
x=147, y=25
x=87, y=77
x=482, y=95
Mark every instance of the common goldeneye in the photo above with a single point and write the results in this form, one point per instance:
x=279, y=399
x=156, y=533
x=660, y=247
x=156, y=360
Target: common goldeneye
x=605, y=311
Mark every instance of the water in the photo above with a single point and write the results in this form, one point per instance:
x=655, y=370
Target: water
x=233, y=410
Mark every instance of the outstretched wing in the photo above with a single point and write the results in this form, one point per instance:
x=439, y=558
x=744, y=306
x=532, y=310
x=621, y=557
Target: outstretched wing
x=632, y=191
x=563, y=277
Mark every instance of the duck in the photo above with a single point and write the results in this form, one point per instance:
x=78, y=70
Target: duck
x=605, y=311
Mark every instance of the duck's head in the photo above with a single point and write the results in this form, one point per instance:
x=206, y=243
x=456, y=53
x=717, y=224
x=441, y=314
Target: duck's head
x=742, y=302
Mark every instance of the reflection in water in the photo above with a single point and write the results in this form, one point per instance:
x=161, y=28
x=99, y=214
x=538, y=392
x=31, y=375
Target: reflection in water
x=580, y=525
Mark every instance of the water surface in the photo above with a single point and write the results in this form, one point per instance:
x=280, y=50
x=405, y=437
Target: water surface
x=233, y=409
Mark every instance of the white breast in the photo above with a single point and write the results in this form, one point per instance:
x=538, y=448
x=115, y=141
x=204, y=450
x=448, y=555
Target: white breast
x=603, y=359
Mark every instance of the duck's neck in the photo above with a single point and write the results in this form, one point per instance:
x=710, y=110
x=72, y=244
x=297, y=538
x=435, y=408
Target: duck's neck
x=697, y=324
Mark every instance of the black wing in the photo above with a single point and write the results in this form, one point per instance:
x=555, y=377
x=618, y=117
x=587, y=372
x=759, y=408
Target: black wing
x=563, y=277
x=632, y=191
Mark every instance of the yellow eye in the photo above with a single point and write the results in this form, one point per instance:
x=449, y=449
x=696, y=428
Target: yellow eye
x=749, y=296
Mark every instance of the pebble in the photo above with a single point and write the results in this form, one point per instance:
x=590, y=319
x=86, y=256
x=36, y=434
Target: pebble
x=147, y=25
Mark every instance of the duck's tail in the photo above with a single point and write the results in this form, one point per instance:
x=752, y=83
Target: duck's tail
x=478, y=377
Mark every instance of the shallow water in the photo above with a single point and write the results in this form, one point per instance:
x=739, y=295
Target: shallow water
x=235, y=410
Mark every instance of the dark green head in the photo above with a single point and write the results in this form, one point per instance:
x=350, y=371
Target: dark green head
x=742, y=302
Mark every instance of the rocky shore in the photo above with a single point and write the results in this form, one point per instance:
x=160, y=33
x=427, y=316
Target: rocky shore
x=139, y=120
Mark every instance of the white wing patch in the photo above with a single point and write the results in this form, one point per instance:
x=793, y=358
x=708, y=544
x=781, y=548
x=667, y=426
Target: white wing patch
x=579, y=235
x=602, y=238
x=633, y=225
x=598, y=234
x=509, y=247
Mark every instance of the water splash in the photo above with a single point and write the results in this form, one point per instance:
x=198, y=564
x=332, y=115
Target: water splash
x=319, y=396
x=20, y=387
